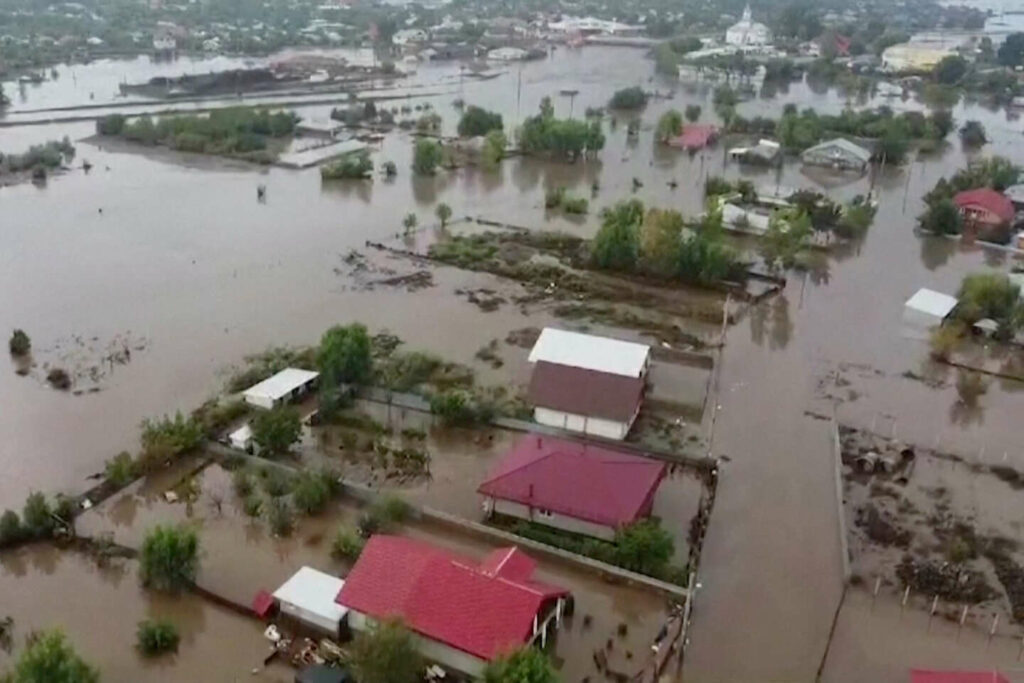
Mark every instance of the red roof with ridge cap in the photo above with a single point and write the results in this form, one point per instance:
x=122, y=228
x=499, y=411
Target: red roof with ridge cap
x=987, y=199
x=484, y=608
x=588, y=482
x=924, y=676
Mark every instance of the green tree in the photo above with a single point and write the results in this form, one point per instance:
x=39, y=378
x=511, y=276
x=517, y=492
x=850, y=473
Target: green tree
x=156, y=637
x=443, y=213
x=525, y=665
x=616, y=245
x=10, y=528
x=50, y=658
x=643, y=547
x=942, y=217
x=409, y=222
x=660, y=237
x=670, y=125
x=988, y=295
x=478, y=121
x=19, y=344
x=973, y=134
x=494, y=149
x=37, y=516
x=426, y=156
x=169, y=558
x=1011, y=52
x=943, y=122
x=628, y=98
x=311, y=492
x=275, y=430
x=345, y=355
x=693, y=112
x=386, y=653
x=950, y=70
x=788, y=230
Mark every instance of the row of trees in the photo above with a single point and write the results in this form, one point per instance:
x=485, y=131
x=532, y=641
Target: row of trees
x=661, y=244
x=235, y=130
x=48, y=155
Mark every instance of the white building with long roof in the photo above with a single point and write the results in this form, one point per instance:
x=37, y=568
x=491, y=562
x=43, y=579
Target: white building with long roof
x=747, y=32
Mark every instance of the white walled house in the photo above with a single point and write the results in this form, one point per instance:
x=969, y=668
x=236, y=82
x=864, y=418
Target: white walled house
x=587, y=384
x=463, y=612
x=747, y=32
x=284, y=387
x=573, y=486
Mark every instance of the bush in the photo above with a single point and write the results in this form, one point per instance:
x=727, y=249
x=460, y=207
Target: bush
x=48, y=657
x=347, y=545
x=59, y=379
x=19, y=344
x=644, y=547
x=169, y=558
x=167, y=438
x=11, y=531
x=426, y=156
x=553, y=198
x=456, y=407
x=525, y=665
x=973, y=134
x=252, y=505
x=352, y=167
x=478, y=121
x=156, y=637
x=275, y=430
x=241, y=481
x=213, y=415
x=112, y=124
x=280, y=517
x=575, y=205
x=628, y=98
x=276, y=482
x=310, y=493
x=386, y=653
x=120, y=470
x=692, y=112
x=37, y=516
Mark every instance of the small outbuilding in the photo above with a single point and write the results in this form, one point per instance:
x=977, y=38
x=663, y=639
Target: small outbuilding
x=927, y=308
x=309, y=597
x=838, y=153
x=241, y=439
x=284, y=387
x=585, y=383
x=765, y=152
x=573, y=486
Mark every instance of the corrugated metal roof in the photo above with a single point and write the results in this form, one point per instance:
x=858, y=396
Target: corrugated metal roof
x=590, y=352
x=281, y=384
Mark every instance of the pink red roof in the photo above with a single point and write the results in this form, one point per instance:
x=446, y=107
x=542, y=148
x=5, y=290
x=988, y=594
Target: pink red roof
x=584, y=481
x=695, y=136
x=483, y=608
x=924, y=676
x=987, y=199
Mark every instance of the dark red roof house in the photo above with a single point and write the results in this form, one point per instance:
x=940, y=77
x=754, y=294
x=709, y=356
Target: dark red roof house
x=984, y=205
x=465, y=612
x=696, y=136
x=924, y=676
x=573, y=486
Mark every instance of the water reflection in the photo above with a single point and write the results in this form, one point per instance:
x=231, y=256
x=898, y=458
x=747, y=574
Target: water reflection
x=771, y=320
x=361, y=189
x=936, y=251
x=967, y=409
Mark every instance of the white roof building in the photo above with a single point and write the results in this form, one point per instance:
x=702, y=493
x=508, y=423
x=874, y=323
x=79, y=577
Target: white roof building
x=747, y=32
x=309, y=596
x=287, y=384
x=590, y=352
x=507, y=54
x=926, y=309
x=409, y=35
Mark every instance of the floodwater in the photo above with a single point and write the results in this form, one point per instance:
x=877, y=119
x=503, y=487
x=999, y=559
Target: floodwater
x=176, y=250
x=98, y=608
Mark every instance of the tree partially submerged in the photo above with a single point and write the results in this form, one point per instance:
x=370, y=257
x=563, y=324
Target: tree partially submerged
x=525, y=665
x=478, y=121
x=48, y=657
x=344, y=358
x=169, y=558
x=19, y=343
x=275, y=430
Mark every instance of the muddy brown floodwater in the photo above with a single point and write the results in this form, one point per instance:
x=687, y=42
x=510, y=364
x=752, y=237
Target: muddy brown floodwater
x=178, y=251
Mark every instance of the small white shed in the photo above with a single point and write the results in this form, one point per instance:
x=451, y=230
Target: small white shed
x=926, y=309
x=241, y=438
x=309, y=597
x=290, y=383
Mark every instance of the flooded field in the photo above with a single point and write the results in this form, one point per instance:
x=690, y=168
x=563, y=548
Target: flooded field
x=176, y=250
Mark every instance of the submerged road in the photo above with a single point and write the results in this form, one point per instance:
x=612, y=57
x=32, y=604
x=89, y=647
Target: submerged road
x=771, y=572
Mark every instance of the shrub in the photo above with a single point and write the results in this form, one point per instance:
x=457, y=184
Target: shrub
x=112, y=124
x=443, y=213
x=274, y=431
x=478, y=121
x=276, y=482
x=525, y=665
x=19, y=344
x=48, y=657
x=386, y=653
x=167, y=438
x=973, y=134
x=120, y=470
x=347, y=545
x=64, y=508
x=352, y=166
x=37, y=516
x=241, y=481
x=457, y=407
x=553, y=198
x=426, y=156
x=280, y=517
x=156, y=637
x=644, y=547
x=575, y=205
x=59, y=379
x=252, y=505
x=11, y=530
x=628, y=98
x=310, y=493
x=169, y=558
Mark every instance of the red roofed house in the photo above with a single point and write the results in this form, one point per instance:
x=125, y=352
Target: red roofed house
x=987, y=214
x=923, y=676
x=573, y=486
x=464, y=613
x=695, y=136
x=588, y=384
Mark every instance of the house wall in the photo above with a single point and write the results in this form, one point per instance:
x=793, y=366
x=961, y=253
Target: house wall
x=609, y=429
x=832, y=156
x=553, y=519
x=310, y=619
x=446, y=656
